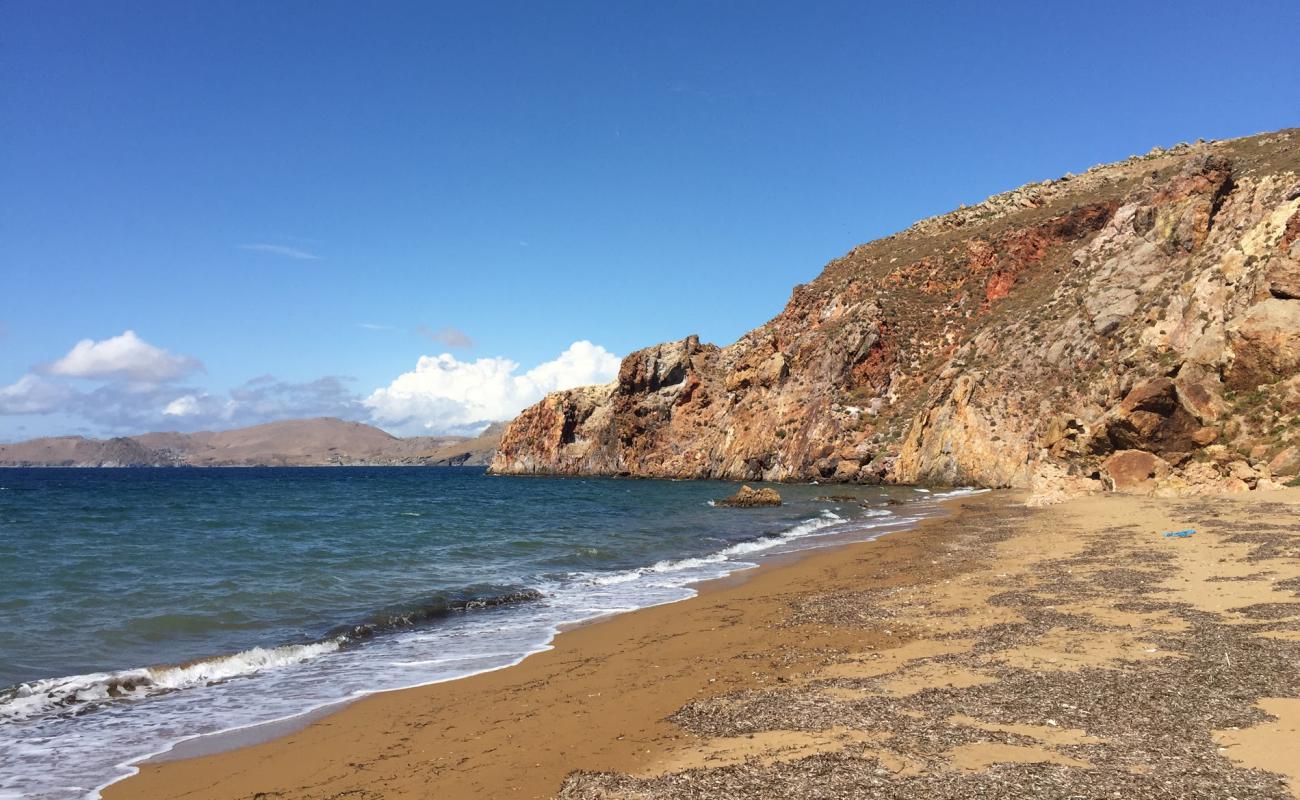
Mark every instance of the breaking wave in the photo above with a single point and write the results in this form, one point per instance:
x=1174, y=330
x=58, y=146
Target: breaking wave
x=75, y=695
x=808, y=527
x=80, y=694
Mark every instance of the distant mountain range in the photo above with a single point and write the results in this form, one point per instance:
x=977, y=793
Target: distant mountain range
x=324, y=441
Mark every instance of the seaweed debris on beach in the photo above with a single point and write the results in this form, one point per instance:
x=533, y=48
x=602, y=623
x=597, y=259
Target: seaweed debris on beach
x=1100, y=667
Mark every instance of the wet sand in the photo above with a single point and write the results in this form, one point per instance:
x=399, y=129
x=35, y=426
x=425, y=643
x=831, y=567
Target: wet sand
x=997, y=652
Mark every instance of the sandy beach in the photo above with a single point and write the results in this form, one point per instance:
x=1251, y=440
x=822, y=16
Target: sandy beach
x=1001, y=651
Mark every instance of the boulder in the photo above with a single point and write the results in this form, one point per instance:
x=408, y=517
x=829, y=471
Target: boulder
x=1235, y=486
x=1265, y=343
x=1200, y=399
x=1151, y=417
x=1286, y=462
x=751, y=498
x=1053, y=483
x=1243, y=472
x=1284, y=278
x=1205, y=436
x=1135, y=471
x=1201, y=478
x=1064, y=435
x=847, y=469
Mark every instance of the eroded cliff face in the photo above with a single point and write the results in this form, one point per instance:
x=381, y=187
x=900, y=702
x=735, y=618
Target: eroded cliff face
x=1135, y=327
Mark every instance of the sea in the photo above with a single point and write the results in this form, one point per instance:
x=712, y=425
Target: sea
x=142, y=609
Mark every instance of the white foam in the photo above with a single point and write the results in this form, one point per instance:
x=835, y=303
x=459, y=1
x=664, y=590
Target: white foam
x=961, y=491
x=429, y=662
x=69, y=693
x=690, y=565
x=263, y=686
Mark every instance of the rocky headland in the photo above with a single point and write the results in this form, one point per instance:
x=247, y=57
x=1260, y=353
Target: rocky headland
x=1135, y=328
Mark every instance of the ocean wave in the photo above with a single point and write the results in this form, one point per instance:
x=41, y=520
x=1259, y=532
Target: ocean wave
x=961, y=491
x=79, y=694
x=74, y=695
x=435, y=607
x=98, y=731
x=809, y=526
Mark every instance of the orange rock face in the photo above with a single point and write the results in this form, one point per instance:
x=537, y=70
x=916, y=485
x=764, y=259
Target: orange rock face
x=1135, y=470
x=1141, y=307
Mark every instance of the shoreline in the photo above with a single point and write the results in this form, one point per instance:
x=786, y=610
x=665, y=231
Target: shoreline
x=618, y=706
x=787, y=547
x=238, y=740
x=253, y=734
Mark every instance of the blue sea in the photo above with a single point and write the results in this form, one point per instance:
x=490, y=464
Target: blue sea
x=140, y=608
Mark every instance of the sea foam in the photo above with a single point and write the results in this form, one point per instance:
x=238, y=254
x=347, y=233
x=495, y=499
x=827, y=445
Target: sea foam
x=98, y=726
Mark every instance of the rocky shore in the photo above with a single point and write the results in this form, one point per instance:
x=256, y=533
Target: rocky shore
x=1132, y=328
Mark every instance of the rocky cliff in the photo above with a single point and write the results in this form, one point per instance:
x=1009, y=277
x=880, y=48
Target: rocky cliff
x=1134, y=327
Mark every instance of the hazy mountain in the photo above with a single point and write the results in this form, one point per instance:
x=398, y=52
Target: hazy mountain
x=298, y=442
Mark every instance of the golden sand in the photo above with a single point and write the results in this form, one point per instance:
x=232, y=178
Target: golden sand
x=962, y=654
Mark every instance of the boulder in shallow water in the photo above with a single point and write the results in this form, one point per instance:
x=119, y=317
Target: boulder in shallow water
x=751, y=498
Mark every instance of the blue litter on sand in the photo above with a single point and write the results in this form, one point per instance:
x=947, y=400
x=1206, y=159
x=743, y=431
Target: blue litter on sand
x=1180, y=534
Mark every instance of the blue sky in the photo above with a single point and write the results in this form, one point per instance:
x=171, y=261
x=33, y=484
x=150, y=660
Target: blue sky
x=314, y=196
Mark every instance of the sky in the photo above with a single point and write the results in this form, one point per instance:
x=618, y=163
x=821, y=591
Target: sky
x=426, y=215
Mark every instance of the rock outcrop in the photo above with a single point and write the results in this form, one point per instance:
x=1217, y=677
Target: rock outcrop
x=1136, y=327
x=749, y=497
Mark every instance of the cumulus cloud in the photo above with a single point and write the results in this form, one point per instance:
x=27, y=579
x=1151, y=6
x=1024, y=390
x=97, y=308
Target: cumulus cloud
x=135, y=386
x=32, y=394
x=123, y=407
x=124, y=385
x=187, y=405
x=446, y=395
x=125, y=356
x=119, y=407
x=264, y=399
x=281, y=250
x=447, y=336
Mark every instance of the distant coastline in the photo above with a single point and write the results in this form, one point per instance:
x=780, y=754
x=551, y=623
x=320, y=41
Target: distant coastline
x=320, y=442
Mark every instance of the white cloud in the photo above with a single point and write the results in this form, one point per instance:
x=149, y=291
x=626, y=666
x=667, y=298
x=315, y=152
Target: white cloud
x=138, y=387
x=264, y=399
x=183, y=406
x=32, y=394
x=446, y=395
x=125, y=356
x=281, y=250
